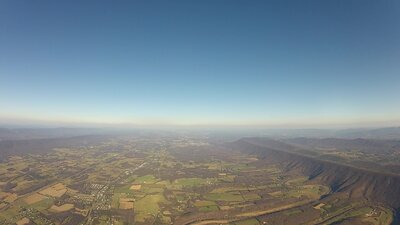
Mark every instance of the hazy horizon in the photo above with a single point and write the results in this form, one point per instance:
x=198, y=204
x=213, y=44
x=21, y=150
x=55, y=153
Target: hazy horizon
x=26, y=123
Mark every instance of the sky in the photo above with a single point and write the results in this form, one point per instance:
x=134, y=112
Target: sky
x=200, y=63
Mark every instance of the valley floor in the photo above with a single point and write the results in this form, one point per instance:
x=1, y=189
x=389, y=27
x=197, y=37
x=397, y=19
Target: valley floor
x=168, y=181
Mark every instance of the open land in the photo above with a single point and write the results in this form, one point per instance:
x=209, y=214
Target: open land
x=164, y=180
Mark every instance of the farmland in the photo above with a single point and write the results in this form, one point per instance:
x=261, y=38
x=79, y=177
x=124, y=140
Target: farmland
x=167, y=181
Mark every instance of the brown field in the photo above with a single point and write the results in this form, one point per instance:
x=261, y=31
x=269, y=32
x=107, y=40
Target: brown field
x=81, y=211
x=72, y=191
x=2, y=205
x=3, y=195
x=276, y=193
x=56, y=190
x=33, y=198
x=126, y=203
x=62, y=208
x=212, y=222
x=319, y=206
x=23, y=221
x=10, y=198
x=136, y=187
x=275, y=209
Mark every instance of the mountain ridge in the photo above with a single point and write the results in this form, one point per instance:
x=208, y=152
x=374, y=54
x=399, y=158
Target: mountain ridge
x=356, y=182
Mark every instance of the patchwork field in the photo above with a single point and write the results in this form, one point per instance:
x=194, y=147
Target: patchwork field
x=168, y=181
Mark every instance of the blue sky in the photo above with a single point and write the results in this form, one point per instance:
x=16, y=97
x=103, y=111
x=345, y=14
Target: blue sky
x=265, y=63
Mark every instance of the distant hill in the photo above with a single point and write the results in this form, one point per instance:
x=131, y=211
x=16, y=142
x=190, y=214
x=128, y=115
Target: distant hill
x=375, y=146
x=35, y=146
x=367, y=133
x=43, y=133
x=380, y=133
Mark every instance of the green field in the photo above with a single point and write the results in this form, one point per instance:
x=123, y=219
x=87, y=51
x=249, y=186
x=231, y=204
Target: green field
x=148, y=207
x=251, y=197
x=147, y=179
x=204, y=203
x=228, y=196
x=209, y=208
x=123, y=189
x=43, y=204
x=192, y=182
x=152, y=190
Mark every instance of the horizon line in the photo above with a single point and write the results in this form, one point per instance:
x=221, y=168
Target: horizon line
x=265, y=124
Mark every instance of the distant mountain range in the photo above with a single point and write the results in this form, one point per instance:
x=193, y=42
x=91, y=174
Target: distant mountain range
x=366, y=133
x=380, y=133
x=44, y=133
x=372, y=146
